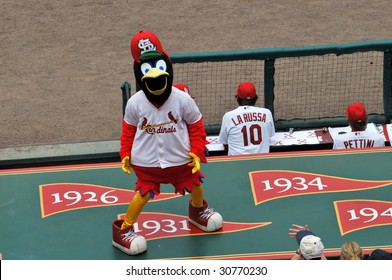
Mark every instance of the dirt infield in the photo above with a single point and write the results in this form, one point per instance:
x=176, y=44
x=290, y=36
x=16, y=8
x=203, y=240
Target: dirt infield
x=62, y=62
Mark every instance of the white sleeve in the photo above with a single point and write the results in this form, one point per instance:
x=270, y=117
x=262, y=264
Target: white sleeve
x=191, y=113
x=130, y=114
x=337, y=143
x=223, y=131
x=272, y=125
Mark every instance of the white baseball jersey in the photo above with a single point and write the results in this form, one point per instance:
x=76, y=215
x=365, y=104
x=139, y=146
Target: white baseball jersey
x=161, y=138
x=247, y=130
x=358, y=139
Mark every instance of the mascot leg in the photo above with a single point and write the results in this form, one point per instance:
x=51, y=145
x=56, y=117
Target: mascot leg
x=135, y=207
x=124, y=236
x=200, y=214
x=197, y=196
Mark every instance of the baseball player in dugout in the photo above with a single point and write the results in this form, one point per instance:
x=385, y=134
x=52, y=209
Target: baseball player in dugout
x=247, y=129
x=358, y=137
x=162, y=142
x=184, y=88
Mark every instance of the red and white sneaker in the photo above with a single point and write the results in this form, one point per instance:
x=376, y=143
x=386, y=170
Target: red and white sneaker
x=205, y=218
x=127, y=240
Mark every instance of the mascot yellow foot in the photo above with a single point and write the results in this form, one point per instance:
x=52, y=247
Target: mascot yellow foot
x=205, y=218
x=127, y=240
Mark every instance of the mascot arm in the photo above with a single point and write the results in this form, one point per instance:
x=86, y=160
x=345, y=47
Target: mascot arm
x=197, y=138
x=126, y=140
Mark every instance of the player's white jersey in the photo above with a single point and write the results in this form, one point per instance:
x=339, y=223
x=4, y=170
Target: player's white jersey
x=247, y=130
x=358, y=139
x=162, y=138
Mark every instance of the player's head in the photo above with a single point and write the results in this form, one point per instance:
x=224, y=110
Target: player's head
x=184, y=88
x=357, y=117
x=246, y=94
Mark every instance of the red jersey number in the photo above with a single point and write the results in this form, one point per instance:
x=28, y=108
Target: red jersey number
x=252, y=134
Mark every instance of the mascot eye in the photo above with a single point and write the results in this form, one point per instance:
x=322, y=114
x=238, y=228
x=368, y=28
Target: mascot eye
x=145, y=67
x=161, y=65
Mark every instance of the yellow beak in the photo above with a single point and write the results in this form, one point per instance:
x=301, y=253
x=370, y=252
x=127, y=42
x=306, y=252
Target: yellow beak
x=153, y=74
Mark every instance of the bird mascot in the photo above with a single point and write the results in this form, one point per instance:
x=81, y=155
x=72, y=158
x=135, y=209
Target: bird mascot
x=162, y=142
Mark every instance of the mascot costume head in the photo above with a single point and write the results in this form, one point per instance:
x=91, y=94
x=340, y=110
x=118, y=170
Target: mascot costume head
x=152, y=67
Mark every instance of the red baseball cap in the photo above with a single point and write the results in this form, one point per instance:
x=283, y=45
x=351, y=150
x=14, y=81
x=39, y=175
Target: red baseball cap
x=183, y=87
x=356, y=112
x=143, y=42
x=246, y=90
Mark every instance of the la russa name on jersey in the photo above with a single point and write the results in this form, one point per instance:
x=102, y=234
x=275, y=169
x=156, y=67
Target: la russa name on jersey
x=249, y=117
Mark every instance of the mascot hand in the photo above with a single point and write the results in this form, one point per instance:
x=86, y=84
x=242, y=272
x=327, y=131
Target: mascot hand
x=126, y=165
x=195, y=163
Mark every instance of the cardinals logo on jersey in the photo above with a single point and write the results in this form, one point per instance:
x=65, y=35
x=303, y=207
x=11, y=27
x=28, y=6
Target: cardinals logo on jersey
x=159, y=128
x=171, y=117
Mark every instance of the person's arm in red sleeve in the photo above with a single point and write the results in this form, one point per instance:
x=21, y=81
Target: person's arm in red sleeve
x=126, y=139
x=197, y=137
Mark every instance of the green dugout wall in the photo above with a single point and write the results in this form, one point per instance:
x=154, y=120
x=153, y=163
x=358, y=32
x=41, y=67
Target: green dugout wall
x=65, y=212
